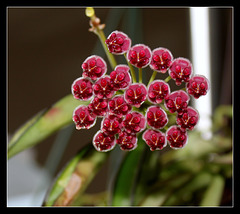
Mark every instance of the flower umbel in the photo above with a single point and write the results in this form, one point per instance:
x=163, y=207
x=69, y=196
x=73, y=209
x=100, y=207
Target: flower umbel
x=128, y=108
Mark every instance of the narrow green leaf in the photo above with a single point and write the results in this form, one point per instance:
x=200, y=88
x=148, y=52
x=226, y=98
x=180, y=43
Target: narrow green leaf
x=219, y=116
x=161, y=191
x=185, y=192
x=126, y=177
x=74, y=178
x=213, y=194
x=43, y=124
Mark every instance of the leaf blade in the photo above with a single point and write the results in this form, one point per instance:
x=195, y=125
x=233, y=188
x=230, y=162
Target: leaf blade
x=71, y=182
x=126, y=177
x=213, y=195
x=43, y=125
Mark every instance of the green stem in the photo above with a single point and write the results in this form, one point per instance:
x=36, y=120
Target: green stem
x=140, y=75
x=152, y=77
x=168, y=78
x=110, y=57
x=131, y=70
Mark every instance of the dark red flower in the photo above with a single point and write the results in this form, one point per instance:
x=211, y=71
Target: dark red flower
x=154, y=139
x=103, y=88
x=198, y=86
x=176, y=137
x=103, y=142
x=83, y=118
x=94, y=67
x=134, y=122
x=136, y=94
x=188, y=119
x=111, y=125
x=118, y=42
x=127, y=141
x=180, y=70
x=158, y=90
x=98, y=107
x=120, y=77
x=118, y=106
x=139, y=55
x=161, y=59
x=156, y=117
x=177, y=101
x=82, y=89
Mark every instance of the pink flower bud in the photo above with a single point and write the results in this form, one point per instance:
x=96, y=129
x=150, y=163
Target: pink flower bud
x=120, y=77
x=98, y=107
x=94, y=67
x=111, y=125
x=139, y=55
x=161, y=59
x=103, y=142
x=188, y=119
x=198, y=86
x=136, y=94
x=103, y=88
x=154, y=139
x=83, y=118
x=180, y=70
x=156, y=117
x=134, y=122
x=126, y=141
x=177, y=101
x=118, y=42
x=158, y=90
x=82, y=89
x=118, y=106
x=176, y=137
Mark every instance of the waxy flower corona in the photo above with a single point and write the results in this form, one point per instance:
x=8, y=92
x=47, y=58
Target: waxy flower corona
x=129, y=107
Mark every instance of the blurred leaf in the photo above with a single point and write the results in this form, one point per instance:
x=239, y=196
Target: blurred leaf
x=185, y=192
x=148, y=174
x=124, y=185
x=223, y=159
x=74, y=178
x=220, y=115
x=43, y=124
x=213, y=194
x=94, y=199
x=162, y=190
x=197, y=148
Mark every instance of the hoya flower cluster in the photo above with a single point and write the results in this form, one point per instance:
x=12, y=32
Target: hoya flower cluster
x=119, y=99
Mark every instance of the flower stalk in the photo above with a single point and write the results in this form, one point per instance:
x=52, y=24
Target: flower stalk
x=168, y=79
x=140, y=75
x=152, y=77
x=134, y=79
x=97, y=28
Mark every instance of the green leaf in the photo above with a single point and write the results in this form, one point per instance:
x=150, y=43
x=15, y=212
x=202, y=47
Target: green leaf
x=162, y=190
x=74, y=178
x=44, y=124
x=124, y=185
x=185, y=192
x=213, y=194
x=220, y=115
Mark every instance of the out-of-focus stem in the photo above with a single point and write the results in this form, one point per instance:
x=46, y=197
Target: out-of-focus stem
x=102, y=38
x=152, y=77
x=168, y=78
x=140, y=75
x=131, y=70
x=97, y=28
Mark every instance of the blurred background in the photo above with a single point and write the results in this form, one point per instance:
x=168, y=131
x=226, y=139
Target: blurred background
x=46, y=47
